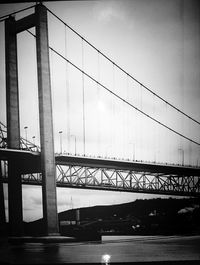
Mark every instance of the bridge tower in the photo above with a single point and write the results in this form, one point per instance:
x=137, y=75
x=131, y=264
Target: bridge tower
x=12, y=27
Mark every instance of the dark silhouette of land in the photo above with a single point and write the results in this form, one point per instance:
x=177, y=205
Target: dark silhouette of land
x=141, y=217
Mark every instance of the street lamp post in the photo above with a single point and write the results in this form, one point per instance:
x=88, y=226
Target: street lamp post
x=25, y=128
x=182, y=151
x=74, y=141
x=133, y=150
x=33, y=140
x=60, y=132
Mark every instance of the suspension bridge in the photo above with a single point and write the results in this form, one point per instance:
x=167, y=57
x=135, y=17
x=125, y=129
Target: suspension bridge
x=123, y=136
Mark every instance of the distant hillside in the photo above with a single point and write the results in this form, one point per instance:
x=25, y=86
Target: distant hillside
x=139, y=209
x=153, y=216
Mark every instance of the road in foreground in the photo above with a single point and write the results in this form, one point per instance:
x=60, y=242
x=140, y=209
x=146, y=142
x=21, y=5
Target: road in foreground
x=119, y=248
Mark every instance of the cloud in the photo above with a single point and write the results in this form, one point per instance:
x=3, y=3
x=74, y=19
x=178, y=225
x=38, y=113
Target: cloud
x=37, y=200
x=32, y=195
x=32, y=203
x=107, y=11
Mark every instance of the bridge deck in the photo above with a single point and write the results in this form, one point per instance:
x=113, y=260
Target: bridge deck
x=29, y=162
x=106, y=174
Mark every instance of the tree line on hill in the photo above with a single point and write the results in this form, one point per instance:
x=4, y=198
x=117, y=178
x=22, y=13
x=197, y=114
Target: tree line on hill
x=150, y=216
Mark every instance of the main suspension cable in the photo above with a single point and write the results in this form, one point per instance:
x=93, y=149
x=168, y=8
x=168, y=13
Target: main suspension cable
x=122, y=99
x=121, y=69
x=119, y=97
x=106, y=57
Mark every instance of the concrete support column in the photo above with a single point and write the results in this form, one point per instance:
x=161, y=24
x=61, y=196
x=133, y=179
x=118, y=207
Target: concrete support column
x=46, y=124
x=13, y=129
x=2, y=204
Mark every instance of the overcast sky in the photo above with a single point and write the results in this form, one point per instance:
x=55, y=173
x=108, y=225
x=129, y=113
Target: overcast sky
x=156, y=41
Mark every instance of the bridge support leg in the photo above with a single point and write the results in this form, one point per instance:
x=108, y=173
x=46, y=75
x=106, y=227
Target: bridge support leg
x=2, y=206
x=13, y=129
x=46, y=124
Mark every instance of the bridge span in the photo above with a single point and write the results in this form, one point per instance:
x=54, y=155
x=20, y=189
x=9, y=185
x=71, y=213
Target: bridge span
x=108, y=174
x=25, y=163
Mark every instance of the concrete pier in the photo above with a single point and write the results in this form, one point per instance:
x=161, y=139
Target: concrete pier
x=46, y=124
x=12, y=27
x=13, y=131
x=2, y=204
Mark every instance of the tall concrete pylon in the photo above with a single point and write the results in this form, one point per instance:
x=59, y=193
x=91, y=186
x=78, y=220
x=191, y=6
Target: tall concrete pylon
x=46, y=123
x=12, y=27
x=13, y=129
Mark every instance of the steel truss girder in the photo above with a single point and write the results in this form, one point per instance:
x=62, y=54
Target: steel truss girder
x=117, y=180
x=24, y=143
x=126, y=180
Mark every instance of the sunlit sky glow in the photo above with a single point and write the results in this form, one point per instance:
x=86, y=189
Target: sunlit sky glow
x=157, y=41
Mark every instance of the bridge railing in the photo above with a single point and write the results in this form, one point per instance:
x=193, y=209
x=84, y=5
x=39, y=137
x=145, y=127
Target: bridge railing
x=27, y=145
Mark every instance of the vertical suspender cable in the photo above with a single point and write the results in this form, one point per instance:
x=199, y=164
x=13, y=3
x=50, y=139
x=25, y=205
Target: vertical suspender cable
x=127, y=119
x=142, y=127
x=67, y=92
x=113, y=115
x=134, y=127
x=182, y=13
x=123, y=127
x=83, y=95
x=98, y=108
x=154, y=131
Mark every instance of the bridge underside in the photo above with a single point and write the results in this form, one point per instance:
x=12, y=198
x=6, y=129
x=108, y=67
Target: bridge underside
x=112, y=175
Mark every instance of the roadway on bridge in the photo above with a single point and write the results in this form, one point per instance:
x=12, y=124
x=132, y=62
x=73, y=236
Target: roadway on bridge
x=29, y=162
x=134, y=249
